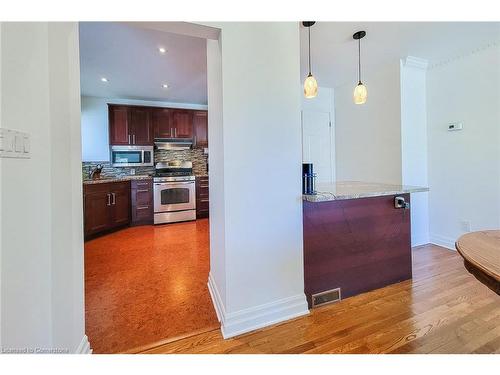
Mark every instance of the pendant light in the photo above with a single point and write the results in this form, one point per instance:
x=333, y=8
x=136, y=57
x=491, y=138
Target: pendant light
x=310, y=84
x=360, y=92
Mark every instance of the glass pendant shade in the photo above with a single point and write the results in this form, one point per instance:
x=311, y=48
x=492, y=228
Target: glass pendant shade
x=310, y=87
x=360, y=94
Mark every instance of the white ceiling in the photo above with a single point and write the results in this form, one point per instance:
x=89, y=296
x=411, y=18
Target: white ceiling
x=334, y=53
x=128, y=57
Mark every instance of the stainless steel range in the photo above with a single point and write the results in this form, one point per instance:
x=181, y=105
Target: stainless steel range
x=174, y=192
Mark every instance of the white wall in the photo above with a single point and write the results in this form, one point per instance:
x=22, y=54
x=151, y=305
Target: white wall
x=414, y=143
x=95, y=135
x=216, y=176
x=260, y=221
x=41, y=243
x=464, y=166
x=1, y=251
x=368, y=136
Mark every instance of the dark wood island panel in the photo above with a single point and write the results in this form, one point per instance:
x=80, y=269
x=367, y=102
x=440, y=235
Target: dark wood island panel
x=356, y=245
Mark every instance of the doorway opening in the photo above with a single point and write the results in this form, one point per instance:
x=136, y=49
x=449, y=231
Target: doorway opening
x=146, y=187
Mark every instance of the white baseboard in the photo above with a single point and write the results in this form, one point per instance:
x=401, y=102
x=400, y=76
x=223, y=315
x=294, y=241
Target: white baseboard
x=424, y=240
x=443, y=241
x=84, y=347
x=246, y=320
x=216, y=299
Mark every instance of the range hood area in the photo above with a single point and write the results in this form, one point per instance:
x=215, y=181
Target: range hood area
x=173, y=143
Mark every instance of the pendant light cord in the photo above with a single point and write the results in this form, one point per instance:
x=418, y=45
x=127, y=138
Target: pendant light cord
x=309, y=29
x=359, y=61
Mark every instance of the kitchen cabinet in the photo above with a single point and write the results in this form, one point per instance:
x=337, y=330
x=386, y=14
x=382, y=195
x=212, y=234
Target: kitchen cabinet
x=200, y=128
x=106, y=206
x=141, y=126
x=202, y=197
x=162, y=123
x=138, y=125
x=182, y=123
x=142, y=202
x=130, y=125
x=356, y=245
x=119, y=132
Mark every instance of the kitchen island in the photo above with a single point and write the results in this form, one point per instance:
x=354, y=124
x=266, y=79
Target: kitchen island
x=355, y=239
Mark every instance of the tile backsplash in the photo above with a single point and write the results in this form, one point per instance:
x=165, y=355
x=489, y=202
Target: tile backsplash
x=197, y=156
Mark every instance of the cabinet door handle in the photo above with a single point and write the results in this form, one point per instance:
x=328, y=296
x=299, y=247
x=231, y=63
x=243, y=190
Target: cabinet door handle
x=204, y=186
x=114, y=198
x=142, y=208
x=109, y=199
x=175, y=130
x=204, y=200
x=143, y=190
x=194, y=141
x=133, y=137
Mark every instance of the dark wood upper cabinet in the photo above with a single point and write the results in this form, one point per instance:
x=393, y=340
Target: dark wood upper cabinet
x=200, y=127
x=138, y=125
x=182, y=123
x=162, y=123
x=129, y=125
x=141, y=126
x=119, y=132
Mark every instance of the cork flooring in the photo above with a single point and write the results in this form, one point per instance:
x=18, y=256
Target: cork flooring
x=147, y=284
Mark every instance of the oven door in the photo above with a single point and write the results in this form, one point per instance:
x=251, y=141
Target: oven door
x=174, y=196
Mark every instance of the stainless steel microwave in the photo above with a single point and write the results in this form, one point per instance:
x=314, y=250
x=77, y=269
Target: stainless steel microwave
x=132, y=156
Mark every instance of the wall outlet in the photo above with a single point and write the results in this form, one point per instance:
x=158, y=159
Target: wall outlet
x=465, y=225
x=132, y=171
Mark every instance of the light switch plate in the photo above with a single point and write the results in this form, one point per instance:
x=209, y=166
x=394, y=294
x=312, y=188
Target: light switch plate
x=454, y=126
x=14, y=144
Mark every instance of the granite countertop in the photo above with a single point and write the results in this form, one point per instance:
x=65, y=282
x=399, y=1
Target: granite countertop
x=357, y=189
x=103, y=180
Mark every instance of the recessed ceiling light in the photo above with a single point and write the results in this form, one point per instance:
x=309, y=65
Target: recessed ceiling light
x=162, y=50
x=165, y=86
x=104, y=79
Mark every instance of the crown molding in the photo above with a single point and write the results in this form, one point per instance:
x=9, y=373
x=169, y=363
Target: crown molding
x=467, y=54
x=416, y=62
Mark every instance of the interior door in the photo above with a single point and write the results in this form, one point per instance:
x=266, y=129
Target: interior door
x=317, y=144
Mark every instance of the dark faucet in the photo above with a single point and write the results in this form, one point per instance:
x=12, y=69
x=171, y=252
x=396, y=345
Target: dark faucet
x=95, y=173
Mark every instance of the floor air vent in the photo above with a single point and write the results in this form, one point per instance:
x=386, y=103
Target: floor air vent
x=324, y=298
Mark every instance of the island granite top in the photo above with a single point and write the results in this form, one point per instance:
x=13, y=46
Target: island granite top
x=356, y=189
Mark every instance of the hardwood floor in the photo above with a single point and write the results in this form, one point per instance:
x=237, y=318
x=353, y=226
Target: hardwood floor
x=147, y=284
x=442, y=310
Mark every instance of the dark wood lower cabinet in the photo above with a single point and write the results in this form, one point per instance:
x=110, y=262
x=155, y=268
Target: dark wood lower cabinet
x=356, y=245
x=106, y=206
x=142, y=202
x=202, y=197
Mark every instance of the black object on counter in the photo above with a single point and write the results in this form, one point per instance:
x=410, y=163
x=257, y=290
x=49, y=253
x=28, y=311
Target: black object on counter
x=308, y=179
